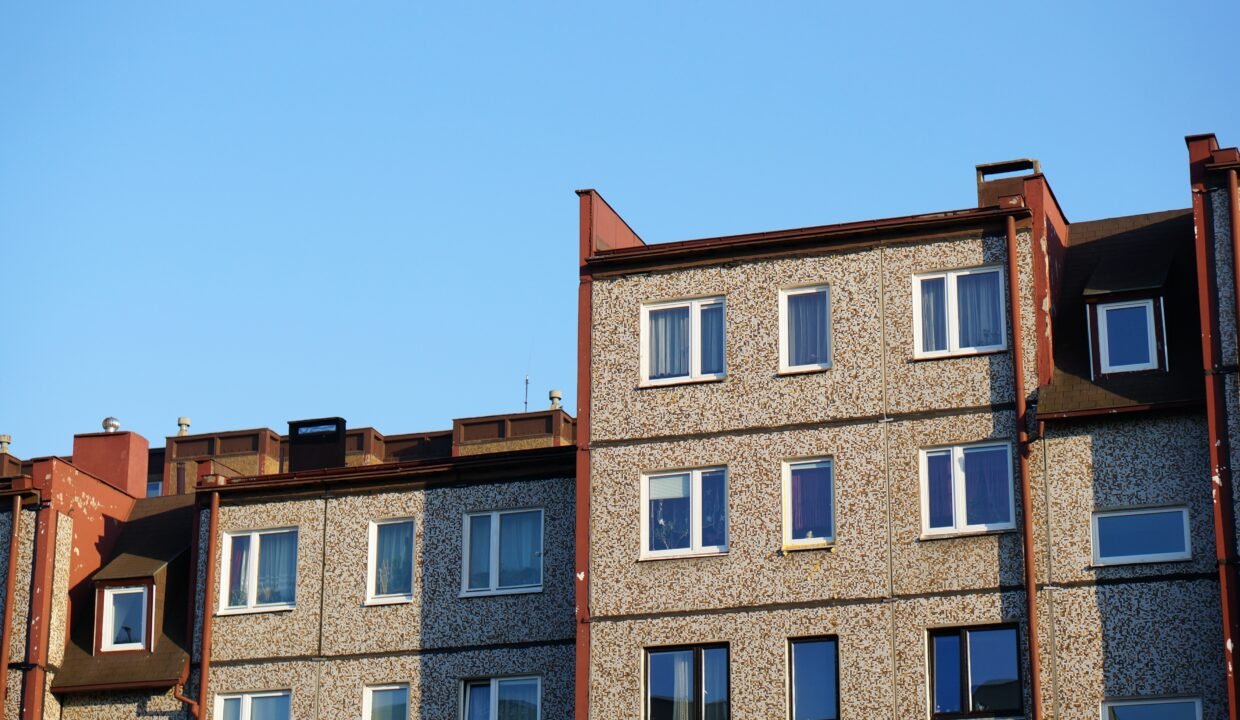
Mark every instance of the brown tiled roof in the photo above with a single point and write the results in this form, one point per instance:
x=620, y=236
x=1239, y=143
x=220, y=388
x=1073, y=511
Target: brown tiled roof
x=1128, y=254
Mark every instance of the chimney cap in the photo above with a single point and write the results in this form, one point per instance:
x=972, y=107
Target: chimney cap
x=111, y=424
x=5, y=439
x=1007, y=166
x=555, y=396
x=183, y=425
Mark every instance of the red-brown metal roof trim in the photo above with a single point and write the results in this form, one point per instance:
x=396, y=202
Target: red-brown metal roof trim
x=1097, y=412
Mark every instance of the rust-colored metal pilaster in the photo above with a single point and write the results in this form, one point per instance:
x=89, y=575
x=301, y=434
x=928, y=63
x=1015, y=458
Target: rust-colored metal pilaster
x=10, y=577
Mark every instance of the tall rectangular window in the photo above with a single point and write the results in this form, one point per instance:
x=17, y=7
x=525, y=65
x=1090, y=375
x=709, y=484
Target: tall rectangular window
x=1141, y=535
x=260, y=570
x=809, y=503
x=1127, y=335
x=958, y=312
x=684, y=512
x=506, y=698
x=974, y=670
x=503, y=552
x=687, y=683
x=389, y=568
x=967, y=488
x=274, y=705
x=126, y=612
x=1161, y=709
x=386, y=702
x=814, y=679
x=682, y=340
x=804, y=329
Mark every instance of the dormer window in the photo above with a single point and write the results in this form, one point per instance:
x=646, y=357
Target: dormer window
x=1127, y=336
x=125, y=618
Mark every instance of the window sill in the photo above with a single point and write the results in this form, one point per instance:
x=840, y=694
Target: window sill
x=807, y=370
x=926, y=537
x=653, y=384
x=683, y=556
x=1136, y=561
x=396, y=600
x=493, y=593
x=255, y=610
x=824, y=546
x=960, y=354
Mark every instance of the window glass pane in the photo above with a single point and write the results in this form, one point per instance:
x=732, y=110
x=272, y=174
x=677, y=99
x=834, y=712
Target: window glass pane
x=479, y=552
x=1169, y=710
x=714, y=509
x=934, y=314
x=994, y=679
x=154, y=489
x=947, y=680
x=232, y=709
x=715, y=684
x=389, y=704
x=518, y=699
x=712, y=339
x=271, y=707
x=277, y=567
x=939, y=488
x=669, y=343
x=1153, y=533
x=128, y=623
x=807, y=328
x=987, y=490
x=239, y=572
x=478, y=701
x=671, y=685
x=394, y=559
x=669, y=512
x=814, y=677
x=979, y=309
x=811, y=501
x=520, y=549
x=1128, y=340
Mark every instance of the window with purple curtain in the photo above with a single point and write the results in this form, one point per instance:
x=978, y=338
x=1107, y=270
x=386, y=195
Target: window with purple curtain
x=967, y=488
x=711, y=321
x=934, y=314
x=806, y=328
x=979, y=309
x=987, y=486
x=810, y=502
x=939, y=488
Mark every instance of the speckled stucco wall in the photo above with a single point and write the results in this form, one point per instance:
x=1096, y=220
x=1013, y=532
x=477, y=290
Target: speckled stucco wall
x=123, y=706
x=1220, y=220
x=57, y=627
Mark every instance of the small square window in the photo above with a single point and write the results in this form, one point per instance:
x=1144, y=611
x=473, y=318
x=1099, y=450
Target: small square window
x=967, y=488
x=684, y=513
x=688, y=683
x=975, y=672
x=1128, y=336
x=389, y=564
x=1141, y=536
x=958, y=312
x=809, y=503
x=682, y=340
x=275, y=705
x=126, y=618
x=506, y=698
x=386, y=702
x=503, y=552
x=804, y=329
x=260, y=570
x=1164, y=709
x=154, y=488
x=813, y=679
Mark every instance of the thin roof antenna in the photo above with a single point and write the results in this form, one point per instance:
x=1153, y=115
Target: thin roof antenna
x=527, y=392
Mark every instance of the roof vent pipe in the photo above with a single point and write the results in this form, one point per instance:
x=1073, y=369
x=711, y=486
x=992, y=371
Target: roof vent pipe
x=555, y=396
x=182, y=426
x=4, y=443
x=111, y=424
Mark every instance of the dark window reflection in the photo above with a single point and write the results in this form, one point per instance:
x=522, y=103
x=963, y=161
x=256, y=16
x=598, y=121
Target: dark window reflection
x=1168, y=710
x=714, y=509
x=975, y=670
x=815, y=692
x=689, y=684
x=947, y=680
x=1150, y=533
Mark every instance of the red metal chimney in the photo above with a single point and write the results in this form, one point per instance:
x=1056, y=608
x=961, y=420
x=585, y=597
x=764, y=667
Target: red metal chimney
x=117, y=458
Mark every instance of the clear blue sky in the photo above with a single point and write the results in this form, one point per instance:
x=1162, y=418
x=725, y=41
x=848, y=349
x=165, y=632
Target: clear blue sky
x=250, y=213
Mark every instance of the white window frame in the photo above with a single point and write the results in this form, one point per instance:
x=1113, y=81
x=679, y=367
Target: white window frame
x=493, y=587
x=695, y=306
x=696, y=547
x=958, y=491
x=1104, y=353
x=493, y=711
x=953, y=320
x=786, y=473
x=1135, y=559
x=1108, y=704
x=368, y=697
x=372, y=562
x=785, y=331
x=109, y=617
x=247, y=699
x=252, y=605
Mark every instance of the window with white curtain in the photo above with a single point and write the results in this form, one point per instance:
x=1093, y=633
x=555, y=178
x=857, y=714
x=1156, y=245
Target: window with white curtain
x=504, y=698
x=389, y=565
x=687, y=683
x=503, y=552
x=126, y=611
x=967, y=488
x=958, y=312
x=273, y=705
x=809, y=503
x=684, y=513
x=386, y=702
x=1160, y=709
x=682, y=340
x=260, y=570
x=804, y=329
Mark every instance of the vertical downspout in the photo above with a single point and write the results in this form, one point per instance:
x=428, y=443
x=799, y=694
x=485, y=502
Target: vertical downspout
x=208, y=603
x=581, y=550
x=11, y=575
x=179, y=691
x=1026, y=491
x=38, y=635
x=1233, y=203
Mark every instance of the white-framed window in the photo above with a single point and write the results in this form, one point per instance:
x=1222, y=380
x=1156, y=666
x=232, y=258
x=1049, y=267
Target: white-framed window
x=260, y=570
x=389, y=561
x=967, y=488
x=503, y=552
x=502, y=698
x=126, y=618
x=1161, y=709
x=1127, y=336
x=386, y=702
x=270, y=705
x=804, y=329
x=1141, y=535
x=809, y=502
x=957, y=312
x=682, y=340
x=684, y=512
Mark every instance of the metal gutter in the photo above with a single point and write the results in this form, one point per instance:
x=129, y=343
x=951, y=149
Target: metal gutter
x=208, y=603
x=1233, y=190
